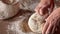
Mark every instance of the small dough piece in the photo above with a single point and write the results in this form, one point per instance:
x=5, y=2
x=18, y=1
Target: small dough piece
x=10, y=1
x=7, y=11
x=36, y=23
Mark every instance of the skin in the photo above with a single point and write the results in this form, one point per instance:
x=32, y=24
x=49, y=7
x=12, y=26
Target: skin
x=52, y=22
x=42, y=7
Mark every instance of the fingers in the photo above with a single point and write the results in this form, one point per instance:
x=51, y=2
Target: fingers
x=37, y=9
x=41, y=10
x=45, y=28
x=51, y=8
x=49, y=29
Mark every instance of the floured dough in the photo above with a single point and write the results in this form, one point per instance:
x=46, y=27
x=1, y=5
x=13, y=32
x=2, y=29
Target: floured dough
x=36, y=23
x=10, y=1
x=7, y=11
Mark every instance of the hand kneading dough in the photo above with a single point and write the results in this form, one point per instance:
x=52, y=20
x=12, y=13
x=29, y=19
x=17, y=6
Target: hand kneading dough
x=36, y=23
x=7, y=11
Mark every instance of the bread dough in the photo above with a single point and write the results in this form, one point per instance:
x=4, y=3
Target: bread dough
x=36, y=23
x=10, y=1
x=7, y=11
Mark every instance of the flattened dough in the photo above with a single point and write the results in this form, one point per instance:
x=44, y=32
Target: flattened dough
x=36, y=23
x=7, y=11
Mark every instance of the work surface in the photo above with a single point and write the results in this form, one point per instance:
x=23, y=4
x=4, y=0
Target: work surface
x=19, y=23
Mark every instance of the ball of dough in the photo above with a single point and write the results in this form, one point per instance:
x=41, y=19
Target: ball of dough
x=36, y=23
x=10, y=1
x=7, y=11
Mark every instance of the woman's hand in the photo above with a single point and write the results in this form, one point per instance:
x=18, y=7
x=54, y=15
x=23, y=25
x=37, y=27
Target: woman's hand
x=52, y=25
x=43, y=6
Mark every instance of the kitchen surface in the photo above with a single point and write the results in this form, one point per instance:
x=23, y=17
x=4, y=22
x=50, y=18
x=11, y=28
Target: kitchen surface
x=18, y=24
